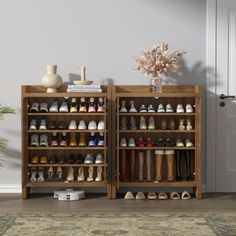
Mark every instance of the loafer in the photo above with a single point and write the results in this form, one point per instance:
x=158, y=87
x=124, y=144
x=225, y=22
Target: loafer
x=43, y=124
x=73, y=106
x=43, y=107
x=72, y=125
x=89, y=159
x=99, y=158
x=100, y=105
x=82, y=125
x=54, y=107
x=92, y=125
x=64, y=107
x=101, y=125
x=34, y=107
x=33, y=124
x=43, y=140
x=160, y=108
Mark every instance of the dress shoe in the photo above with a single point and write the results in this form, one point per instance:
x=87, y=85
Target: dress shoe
x=100, y=105
x=151, y=123
x=189, y=108
x=72, y=125
x=163, y=123
x=64, y=107
x=132, y=107
x=82, y=140
x=34, y=140
x=123, y=123
x=91, y=107
x=43, y=140
x=73, y=140
x=189, y=125
x=99, y=174
x=131, y=142
x=73, y=105
x=133, y=125
x=151, y=108
x=33, y=124
x=180, y=108
x=181, y=125
x=142, y=108
x=160, y=108
x=82, y=125
x=70, y=174
x=54, y=107
x=82, y=107
x=123, y=142
x=123, y=106
x=54, y=140
x=142, y=123
x=169, y=108
x=80, y=176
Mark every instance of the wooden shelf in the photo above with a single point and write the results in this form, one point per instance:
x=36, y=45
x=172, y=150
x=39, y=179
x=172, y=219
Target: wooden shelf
x=66, y=185
x=157, y=95
x=66, y=114
x=156, y=131
x=157, y=148
x=66, y=165
x=158, y=184
x=67, y=148
x=155, y=114
x=62, y=95
x=66, y=131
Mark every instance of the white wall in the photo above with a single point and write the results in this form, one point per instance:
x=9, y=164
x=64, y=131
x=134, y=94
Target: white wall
x=103, y=35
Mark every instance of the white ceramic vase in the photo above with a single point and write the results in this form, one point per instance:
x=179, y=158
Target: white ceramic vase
x=51, y=80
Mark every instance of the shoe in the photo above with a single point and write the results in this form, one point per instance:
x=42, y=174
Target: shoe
x=174, y=196
x=123, y=123
x=92, y=125
x=169, y=143
x=129, y=196
x=70, y=174
x=89, y=159
x=172, y=124
x=179, y=143
x=162, y=196
x=82, y=125
x=169, y=108
x=80, y=177
x=82, y=140
x=63, y=141
x=142, y=108
x=180, y=108
x=54, y=142
x=151, y=108
x=43, y=124
x=188, y=143
x=189, y=108
x=100, y=140
x=40, y=175
x=35, y=159
x=140, y=142
x=149, y=142
x=33, y=173
x=79, y=159
x=64, y=107
x=34, y=107
x=82, y=107
x=73, y=140
x=54, y=107
x=101, y=125
x=99, y=174
x=151, y=196
x=43, y=107
x=181, y=125
x=50, y=172
x=151, y=123
x=123, y=142
x=99, y=158
x=92, y=140
x=91, y=107
x=52, y=159
x=62, y=125
x=185, y=195
x=52, y=125
x=142, y=124
x=160, y=108
x=59, y=174
x=163, y=123
x=43, y=140
x=160, y=142
x=140, y=196
x=61, y=159
x=43, y=160
x=90, y=172
x=73, y=105
x=133, y=125
x=100, y=105
x=132, y=107
x=71, y=159
x=123, y=106
x=131, y=142
x=189, y=125
x=33, y=124
x=72, y=125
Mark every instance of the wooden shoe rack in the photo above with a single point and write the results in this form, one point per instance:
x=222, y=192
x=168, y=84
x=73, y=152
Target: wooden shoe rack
x=32, y=94
x=129, y=164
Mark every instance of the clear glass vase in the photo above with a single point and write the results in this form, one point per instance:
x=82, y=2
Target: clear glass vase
x=156, y=85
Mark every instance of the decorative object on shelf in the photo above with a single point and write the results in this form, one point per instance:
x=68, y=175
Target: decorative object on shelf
x=51, y=80
x=83, y=80
x=158, y=62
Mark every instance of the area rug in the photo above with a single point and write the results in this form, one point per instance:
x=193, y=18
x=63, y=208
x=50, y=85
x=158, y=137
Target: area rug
x=106, y=224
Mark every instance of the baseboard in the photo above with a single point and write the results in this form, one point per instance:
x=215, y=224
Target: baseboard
x=10, y=188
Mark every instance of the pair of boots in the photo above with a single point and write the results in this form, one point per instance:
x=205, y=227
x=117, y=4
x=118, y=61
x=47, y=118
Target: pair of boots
x=187, y=159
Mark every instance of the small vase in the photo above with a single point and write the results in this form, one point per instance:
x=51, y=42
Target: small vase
x=156, y=85
x=51, y=80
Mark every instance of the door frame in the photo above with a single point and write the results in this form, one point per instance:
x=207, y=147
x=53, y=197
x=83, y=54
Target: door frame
x=211, y=81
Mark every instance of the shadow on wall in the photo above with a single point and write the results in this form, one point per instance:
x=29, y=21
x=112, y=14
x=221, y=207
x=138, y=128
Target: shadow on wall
x=13, y=157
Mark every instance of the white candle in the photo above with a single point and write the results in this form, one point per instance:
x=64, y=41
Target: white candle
x=82, y=73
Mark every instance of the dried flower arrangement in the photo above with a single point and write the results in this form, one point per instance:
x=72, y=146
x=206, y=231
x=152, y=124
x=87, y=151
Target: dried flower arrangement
x=158, y=61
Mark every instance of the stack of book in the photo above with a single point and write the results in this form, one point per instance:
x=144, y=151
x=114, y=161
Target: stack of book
x=93, y=88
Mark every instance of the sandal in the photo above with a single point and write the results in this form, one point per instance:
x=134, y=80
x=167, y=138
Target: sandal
x=162, y=196
x=185, y=195
x=152, y=196
x=174, y=196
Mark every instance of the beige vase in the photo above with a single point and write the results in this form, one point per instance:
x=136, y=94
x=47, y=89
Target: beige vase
x=51, y=80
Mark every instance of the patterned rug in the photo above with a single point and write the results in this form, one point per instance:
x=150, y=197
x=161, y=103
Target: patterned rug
x=106, y=224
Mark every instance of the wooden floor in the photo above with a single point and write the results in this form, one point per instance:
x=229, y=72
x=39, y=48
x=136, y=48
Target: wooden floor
x=99, y=203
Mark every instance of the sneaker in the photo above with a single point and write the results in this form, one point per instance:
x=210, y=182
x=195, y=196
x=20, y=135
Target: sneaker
x=131, y=142
x=72, y=125
x=89, y=159
x=100, y=140
x=181, y=125
x=123, y=123
x=123, y=142
x=151, y=123
x=172, y=124
x=188, y=143
x=123, y=106
x=35, y=159
x=33, y=124
x=63, y=141
x=169, y=108
x=149, y=142
x=99, y=158
x=163, y=123
x=140, y=142
x=71, y=159
x=61, y=125
x=34, y=107
x=73, y=140
x=82, y=107
x=160, y=142
x=54, y=142
x=92, y=107
x=169, y=143
x=189, y=125
x=100, y=105
x=82, y=140
x=54, y=107
x=43, y=124
x=142, y=124
x=73, y=105
x=160, y=108
x=132, y=107
x=79, y=159
x=92, y=125
x=180, y=108
x=151, y=108
x=64, y=107
x=43, y=140
x=189, y=108
x=133, y=125
x=179, y=143
x=92, y=140
x=142, y=108
x=52, y=125
x=101, y=125
x=43, y=107
x=34, y=140
x=82, y=125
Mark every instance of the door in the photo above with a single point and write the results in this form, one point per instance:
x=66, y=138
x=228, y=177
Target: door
x=225, y=97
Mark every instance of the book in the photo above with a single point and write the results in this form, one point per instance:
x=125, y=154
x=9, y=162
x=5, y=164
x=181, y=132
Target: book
x=92, y=86
x=73, y=90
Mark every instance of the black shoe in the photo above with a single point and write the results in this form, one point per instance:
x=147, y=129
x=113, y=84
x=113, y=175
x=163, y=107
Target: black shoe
x=160, y=142
x=71, y=159
x=79, y=159
x=61, y=159
x=169, y=143
x=52, y=159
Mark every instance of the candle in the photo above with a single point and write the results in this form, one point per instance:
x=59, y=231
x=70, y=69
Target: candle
x=82, y=73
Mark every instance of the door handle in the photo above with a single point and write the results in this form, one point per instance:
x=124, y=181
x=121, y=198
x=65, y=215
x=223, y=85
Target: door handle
x=223, y=96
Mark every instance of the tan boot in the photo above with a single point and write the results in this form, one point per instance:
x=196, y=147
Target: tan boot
x=159, y=155
x=149, y=162
x=170, y=155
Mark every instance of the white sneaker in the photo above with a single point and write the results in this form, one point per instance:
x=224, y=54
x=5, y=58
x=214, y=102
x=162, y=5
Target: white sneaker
x=99, y=158
x=180, y=108
x=82, y=125
x=151, y=123
x=189, y=143
x=123, y=142
x=160, y=108
x=92, y=125
x=43, y=124
x=33, y=124
x=189, y=108
x=88, y=159
x=169, y=108
x=123, y=106
x=101, y=125
x=64, y=107
x=72, y=125
x=179, y=143
x=151, y=108
x=54, y=107
x=132, y=107
x=131, y=142
x=142, y=123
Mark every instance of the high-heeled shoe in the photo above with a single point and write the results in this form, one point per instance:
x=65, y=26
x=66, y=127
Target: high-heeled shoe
x=70, y=174
x=50, y=174
x=59, y=174
x=189, y=125
x=181, y=125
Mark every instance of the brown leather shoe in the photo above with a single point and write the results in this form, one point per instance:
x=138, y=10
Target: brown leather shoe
x=82, y=140
x=73, y=140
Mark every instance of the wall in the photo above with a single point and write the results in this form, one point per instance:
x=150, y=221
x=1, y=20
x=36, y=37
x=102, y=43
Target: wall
x=103, y=35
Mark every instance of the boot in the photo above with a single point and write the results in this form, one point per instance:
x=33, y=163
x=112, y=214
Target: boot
x=141, y=160
x=178, y=166
x=132, y=165
x=123, y=172
x=90, y=172
x=73, y=140
x=170, y=155
x=159, y=154
x=188, y=165
x=149, y=162
x=82, y=140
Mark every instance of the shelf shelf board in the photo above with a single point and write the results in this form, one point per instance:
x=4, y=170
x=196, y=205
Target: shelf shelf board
x=67, y=148
x=159, y=184
x=157, y=95
x=156, y=131
x=59, y=95
x=66, y=114
x=155, y=114
x=66, y=165
x=65, y=184
x=157, y=148
x=65, y=131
